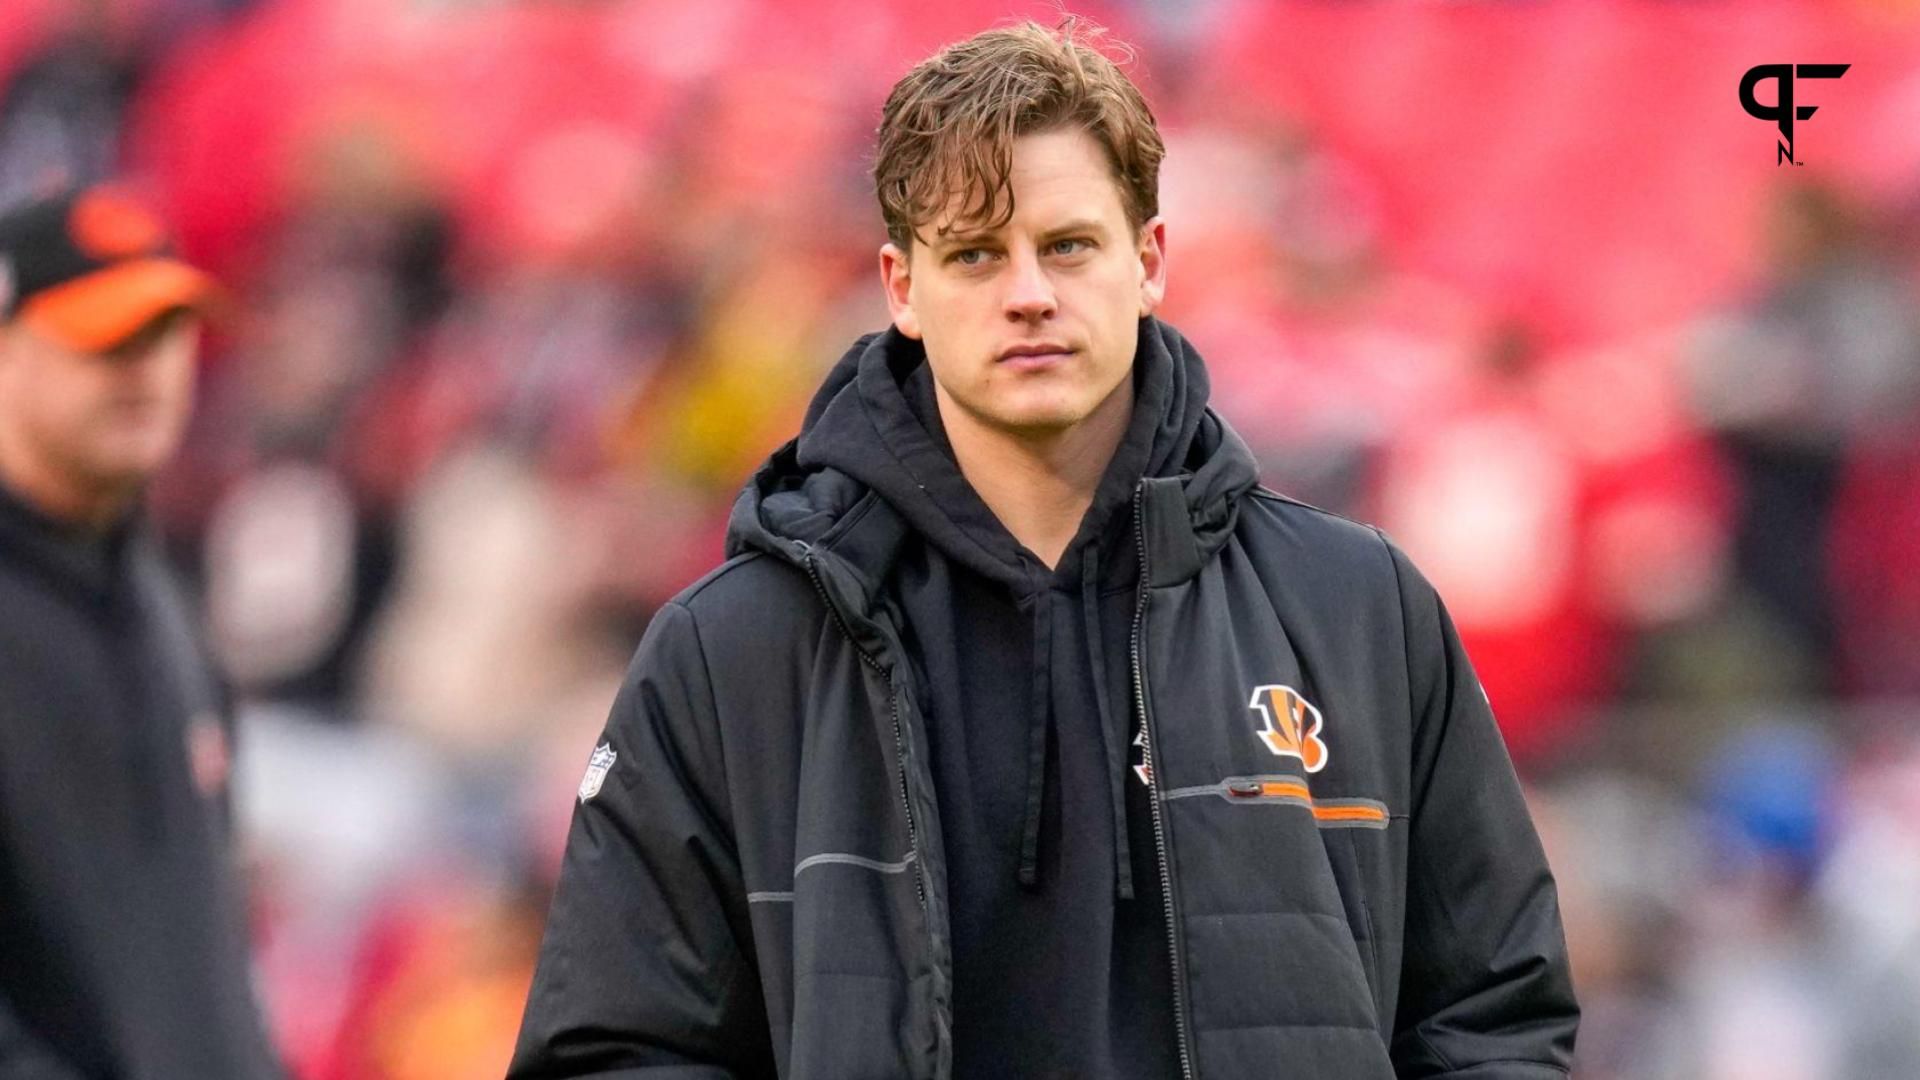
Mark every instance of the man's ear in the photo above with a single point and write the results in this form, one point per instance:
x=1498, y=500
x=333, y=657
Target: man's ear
x=1153, y=265
x=896, y=277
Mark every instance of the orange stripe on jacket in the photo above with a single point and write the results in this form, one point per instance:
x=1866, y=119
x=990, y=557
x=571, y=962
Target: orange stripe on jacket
x=1324, y=813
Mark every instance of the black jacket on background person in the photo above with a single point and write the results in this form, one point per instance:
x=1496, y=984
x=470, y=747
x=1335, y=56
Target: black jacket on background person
x=1296, y=783
x=123, y=950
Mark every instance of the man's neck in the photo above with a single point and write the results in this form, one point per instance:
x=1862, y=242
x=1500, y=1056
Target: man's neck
x=1040, y=486
x=41, y=488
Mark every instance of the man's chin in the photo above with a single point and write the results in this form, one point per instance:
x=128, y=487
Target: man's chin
x=127, y=468
x=1040, y=424
x=1032, y=417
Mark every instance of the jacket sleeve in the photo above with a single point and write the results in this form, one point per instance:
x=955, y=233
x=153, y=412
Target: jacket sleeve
x=1485, y=988
x=646, y=970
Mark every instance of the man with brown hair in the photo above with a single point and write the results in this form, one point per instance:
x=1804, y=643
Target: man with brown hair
x=1022, y=733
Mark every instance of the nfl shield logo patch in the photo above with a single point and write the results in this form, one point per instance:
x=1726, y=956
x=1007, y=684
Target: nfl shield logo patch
x=597, y=766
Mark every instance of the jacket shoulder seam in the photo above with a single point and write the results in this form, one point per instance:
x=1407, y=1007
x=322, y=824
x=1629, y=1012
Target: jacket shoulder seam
x=686, y=596
x=713, y=703
x=1279, y=501
x=1263, y=492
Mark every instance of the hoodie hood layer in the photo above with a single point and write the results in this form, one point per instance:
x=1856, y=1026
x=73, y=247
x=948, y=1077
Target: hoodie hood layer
x=864, y=434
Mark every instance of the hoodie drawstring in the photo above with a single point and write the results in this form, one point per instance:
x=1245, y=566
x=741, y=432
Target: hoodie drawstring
x=1039, y=723
x=1114, y=741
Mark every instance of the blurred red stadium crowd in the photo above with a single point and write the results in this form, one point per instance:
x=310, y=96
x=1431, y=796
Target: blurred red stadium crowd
x=521, y=292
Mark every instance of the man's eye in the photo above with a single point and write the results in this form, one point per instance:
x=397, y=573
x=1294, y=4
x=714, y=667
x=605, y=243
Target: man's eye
x=1066, y=247
x=970, y=257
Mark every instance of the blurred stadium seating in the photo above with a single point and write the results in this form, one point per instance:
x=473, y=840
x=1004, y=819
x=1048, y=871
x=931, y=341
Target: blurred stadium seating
x=526, y=289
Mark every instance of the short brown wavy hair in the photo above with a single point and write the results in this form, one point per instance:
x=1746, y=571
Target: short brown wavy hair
x=948, y=127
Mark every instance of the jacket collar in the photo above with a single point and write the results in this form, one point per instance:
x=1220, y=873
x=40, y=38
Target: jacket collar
x=81, y=561
x=807, y=499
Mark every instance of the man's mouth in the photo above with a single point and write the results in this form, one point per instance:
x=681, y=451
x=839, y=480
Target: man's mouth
x=1035, y=355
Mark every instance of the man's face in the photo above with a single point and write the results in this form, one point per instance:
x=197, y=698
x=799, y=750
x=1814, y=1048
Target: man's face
x=98, y=422
x=1066, y=278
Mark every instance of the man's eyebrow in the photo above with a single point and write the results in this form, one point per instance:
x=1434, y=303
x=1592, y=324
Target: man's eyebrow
x=969, y=238
x=976, y=237
x=1076, y=226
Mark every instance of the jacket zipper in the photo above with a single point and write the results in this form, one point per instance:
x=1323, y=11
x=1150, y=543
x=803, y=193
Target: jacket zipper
x=1153, y=791
x=893, y=707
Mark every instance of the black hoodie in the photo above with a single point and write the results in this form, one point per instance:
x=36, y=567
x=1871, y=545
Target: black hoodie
x=1060, y=952
x=807, y=844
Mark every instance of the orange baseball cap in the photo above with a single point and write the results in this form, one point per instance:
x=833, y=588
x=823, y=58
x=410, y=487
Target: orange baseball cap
x=91, y=267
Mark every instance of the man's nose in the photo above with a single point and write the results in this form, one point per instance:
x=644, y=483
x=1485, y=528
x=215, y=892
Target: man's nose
x=1029, y=295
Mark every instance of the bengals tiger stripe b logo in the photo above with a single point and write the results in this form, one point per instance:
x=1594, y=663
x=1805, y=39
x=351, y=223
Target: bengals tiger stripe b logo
x=1292, y=725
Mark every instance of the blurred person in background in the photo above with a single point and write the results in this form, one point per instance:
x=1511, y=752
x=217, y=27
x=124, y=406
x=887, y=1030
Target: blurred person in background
x=872, y=800
x=123, y=944
x=1816, y=373
x=64, y=110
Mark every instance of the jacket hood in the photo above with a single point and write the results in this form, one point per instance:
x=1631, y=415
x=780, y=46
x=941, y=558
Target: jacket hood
x=872, y=429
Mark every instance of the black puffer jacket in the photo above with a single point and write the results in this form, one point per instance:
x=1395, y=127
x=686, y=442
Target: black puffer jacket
x=757, y=886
